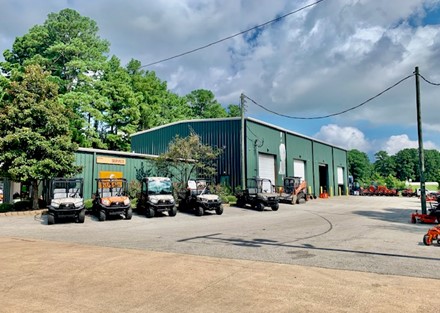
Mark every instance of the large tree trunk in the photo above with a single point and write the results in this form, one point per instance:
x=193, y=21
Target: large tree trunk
x=34, y=196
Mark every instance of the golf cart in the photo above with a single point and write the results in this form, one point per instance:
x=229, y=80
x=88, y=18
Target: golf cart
x=66, y=200
x=198, y=198
x=111, y=199
x=156, y=196
x=259, y=193
x=294, y=190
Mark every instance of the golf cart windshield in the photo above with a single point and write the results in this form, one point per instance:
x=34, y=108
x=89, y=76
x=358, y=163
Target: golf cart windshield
x=160, y=187
x=262, y=185
x=66, y=189
x=112, y=187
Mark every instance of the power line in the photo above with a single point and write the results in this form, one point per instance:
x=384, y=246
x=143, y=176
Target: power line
x=429, y=82
x=235, y=35
x=333, y=114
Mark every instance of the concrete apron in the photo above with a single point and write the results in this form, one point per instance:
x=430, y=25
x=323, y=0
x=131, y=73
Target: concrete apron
x=43, y=276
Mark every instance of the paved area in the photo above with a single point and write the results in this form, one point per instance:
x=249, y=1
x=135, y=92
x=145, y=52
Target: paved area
x=335, y=255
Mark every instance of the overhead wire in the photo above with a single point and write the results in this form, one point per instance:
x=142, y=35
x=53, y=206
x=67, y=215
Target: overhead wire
x=234, y=35
x=429, y=82
x=333, y=114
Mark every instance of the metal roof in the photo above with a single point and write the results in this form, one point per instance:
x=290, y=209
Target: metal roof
x=238, y=118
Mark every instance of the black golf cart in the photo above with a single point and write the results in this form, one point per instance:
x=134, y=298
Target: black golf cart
x=66, y=200
x=199, y=197
x=259, y=193
x=156, y=196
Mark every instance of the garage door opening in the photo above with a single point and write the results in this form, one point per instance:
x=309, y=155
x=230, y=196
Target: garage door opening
x=323, y=178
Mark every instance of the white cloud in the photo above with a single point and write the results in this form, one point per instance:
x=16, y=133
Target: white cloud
x=320, y=61
x=399, y=142
x=345, y=137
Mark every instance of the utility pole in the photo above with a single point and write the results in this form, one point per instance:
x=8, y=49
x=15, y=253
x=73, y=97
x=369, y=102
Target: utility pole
x=242, y=152
x=421, y=153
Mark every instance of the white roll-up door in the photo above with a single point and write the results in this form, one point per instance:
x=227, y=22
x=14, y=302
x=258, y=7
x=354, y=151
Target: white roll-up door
x=266, y=167
x=340, y=175
x=299, y=169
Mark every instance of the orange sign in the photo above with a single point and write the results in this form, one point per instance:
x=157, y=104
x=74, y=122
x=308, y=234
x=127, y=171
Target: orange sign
x=109, y=160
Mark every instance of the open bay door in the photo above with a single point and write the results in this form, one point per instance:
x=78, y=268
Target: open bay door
x=266, y=167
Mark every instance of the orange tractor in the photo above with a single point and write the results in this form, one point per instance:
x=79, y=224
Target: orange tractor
x=294, y=190
x=431, y=235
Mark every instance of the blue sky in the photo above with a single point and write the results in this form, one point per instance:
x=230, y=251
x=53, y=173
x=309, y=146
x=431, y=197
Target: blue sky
x=322, y=60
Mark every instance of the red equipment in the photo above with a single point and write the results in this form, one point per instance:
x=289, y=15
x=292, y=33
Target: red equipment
x=432, y=217
x=432, y=235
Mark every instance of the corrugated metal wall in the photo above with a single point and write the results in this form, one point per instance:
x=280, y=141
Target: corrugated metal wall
x=321, y=160
x=221, y=133
x=262, y=139
x=298, y=148
x=91, y=169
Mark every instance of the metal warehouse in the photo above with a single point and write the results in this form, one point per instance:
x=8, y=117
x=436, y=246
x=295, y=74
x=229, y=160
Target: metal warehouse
x=95, y=163
x=268, y=152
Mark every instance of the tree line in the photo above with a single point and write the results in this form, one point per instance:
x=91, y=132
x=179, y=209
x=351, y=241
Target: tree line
x=105, y=102
x=393, y=170
x=59, y=90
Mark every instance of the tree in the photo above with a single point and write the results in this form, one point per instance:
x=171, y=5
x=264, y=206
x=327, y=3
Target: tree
x=35, y=141
x=204, y=105
x=186, y=156
x=234, y=110
x=407, y=164
x=384, y=164
x=359, y=165
x=158, y=106
x=67, y=44
x=120, y=111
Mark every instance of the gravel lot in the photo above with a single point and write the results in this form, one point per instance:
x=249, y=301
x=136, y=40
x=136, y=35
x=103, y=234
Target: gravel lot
x=368, y=234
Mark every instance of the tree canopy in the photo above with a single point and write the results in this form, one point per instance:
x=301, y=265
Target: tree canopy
x=35, y=141
x=403, y=166
x=106, y=101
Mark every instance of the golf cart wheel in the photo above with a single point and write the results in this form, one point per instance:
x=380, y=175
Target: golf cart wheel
x=219, y=210
x=200, y=211
x=260, y=206
x=275, y=207
x=173, y=211
x=129, y=214
x=50, y=219
x=427, y=240
x=149, y=213
x=102, y=216
x=81, y=216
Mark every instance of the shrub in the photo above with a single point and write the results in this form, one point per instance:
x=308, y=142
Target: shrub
x=6, y=207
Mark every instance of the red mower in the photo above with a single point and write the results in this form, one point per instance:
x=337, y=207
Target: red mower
x=431, y=235
x=432, y=217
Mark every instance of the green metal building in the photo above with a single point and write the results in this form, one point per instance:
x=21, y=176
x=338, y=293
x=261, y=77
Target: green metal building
x=269, y=152
x=95, y=163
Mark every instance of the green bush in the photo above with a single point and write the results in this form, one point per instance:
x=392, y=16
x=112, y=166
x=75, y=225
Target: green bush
x=6, y=207
x=88, y=204
x=22, y=205
x=232, y=199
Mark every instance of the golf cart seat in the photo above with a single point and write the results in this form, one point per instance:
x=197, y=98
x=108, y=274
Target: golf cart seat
x=59, y=193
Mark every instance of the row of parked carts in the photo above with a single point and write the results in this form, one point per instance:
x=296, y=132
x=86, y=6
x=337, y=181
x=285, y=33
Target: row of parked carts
x=157, y=196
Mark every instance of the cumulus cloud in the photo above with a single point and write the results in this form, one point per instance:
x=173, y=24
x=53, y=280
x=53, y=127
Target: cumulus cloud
x=399, y=142
x=319, y=61
x=345, y=137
